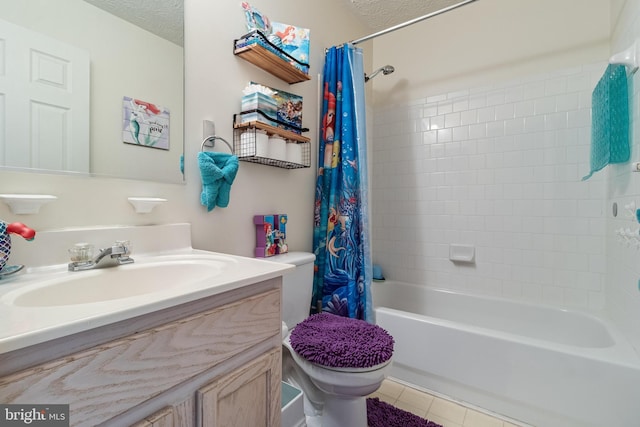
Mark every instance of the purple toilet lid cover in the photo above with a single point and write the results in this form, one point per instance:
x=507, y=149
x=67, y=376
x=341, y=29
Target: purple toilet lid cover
x=340, y=342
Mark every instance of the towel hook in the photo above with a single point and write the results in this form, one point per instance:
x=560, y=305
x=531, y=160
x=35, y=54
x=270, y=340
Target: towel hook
x=212, y=139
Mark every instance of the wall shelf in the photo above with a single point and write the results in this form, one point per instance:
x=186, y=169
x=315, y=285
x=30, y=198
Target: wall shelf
x=23, y=204
x=256, y=49
x=145, y=204
x=271, y=130
x=246, y=148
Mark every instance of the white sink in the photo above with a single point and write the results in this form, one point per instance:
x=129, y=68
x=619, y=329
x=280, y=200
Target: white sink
x=45, y=301
x=125, y=281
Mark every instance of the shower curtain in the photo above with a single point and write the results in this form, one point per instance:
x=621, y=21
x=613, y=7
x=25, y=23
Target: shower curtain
x=341, y=241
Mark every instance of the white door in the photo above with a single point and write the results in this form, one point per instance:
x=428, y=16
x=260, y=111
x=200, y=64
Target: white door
x=44, y=101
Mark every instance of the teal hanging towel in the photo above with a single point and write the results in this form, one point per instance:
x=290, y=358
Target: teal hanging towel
x=218, y=170
x=609, y=119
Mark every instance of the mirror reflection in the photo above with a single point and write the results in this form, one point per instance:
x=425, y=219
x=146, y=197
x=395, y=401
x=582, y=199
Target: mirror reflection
x=84, y=91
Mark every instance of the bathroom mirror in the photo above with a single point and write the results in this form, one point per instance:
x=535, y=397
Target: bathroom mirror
x=125, y=61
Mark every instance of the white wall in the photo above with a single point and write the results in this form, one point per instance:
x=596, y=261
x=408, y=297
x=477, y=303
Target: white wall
x=487, y=41
x=623, y=262
x=214, y=82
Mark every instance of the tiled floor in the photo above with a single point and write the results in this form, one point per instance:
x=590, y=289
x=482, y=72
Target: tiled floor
x=436, y=409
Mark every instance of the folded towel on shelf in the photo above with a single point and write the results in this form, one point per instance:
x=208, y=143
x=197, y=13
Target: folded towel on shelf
x=218, y=170
x=609, y=120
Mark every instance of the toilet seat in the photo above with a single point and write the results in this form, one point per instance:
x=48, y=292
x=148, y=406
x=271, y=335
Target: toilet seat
x=287, y=343
x=354, y=370
x=341, y=344
x=330, y=379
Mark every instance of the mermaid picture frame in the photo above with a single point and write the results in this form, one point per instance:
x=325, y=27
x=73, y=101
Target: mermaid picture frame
x=145, y=124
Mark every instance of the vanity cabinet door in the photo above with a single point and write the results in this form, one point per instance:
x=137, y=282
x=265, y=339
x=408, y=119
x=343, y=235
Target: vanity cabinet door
x=246, y=397
x=178, y=415
x=162, y=418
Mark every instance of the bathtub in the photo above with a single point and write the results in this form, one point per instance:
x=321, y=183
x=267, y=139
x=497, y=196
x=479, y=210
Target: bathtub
x=540, y=365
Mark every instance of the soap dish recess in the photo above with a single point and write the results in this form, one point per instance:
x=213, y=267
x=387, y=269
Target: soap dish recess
x=462, y=253
x=26, y=203
x=145, y=204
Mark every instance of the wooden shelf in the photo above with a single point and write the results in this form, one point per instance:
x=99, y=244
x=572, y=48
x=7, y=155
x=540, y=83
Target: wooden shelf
x=286, y=134
x=262, y=57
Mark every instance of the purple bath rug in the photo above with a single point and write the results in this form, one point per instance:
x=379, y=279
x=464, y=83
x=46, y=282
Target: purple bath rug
x=381, y=414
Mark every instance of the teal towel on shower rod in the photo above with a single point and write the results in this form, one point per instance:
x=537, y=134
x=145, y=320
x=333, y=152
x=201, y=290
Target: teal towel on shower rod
x=609, y=120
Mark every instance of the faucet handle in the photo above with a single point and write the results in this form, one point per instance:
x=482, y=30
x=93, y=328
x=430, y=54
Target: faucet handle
x=120, y=247
x=81, y=252
x=121, y=250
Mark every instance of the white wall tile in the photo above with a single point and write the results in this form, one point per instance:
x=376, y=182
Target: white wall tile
x=534, y=89
x=445, y=135
x=505, y=111
x=477, y=131
x=544, y=105
x=452, y=120
x=568, y=101
x=487, y=114
x=468, y=117
x=500, y=167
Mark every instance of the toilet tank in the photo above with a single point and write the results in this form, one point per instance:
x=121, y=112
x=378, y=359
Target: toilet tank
x=297, y=286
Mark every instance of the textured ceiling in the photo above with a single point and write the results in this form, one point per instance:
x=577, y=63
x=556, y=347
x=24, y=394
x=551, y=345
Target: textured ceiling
x=161, y=17
x=382, y=14
x=165, y=17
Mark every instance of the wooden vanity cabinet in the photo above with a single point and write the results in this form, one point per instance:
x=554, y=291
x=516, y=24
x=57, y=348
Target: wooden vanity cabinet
x=215, y=362
x=163, y=418
x=248, y=396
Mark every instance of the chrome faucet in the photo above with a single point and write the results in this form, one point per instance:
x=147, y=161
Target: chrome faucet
x=119, y=252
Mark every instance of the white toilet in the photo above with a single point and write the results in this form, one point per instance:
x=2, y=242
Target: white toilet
x=333, y=397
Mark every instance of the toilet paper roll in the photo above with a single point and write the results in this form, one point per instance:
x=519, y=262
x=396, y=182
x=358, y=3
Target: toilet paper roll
x=262, y=144
x=248, y=143
x=254, y=142
x=294, y=153
x=277, y=148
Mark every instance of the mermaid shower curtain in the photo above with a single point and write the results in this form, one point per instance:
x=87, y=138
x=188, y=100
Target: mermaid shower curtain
x=343, y=272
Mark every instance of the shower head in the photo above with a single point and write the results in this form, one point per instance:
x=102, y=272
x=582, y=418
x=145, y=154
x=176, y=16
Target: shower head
x=387, y=69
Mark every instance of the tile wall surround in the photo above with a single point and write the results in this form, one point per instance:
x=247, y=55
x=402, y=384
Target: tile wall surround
x=623, y=188
x=500, y=168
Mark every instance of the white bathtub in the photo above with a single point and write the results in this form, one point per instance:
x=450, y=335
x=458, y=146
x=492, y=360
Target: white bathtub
x=541, y=365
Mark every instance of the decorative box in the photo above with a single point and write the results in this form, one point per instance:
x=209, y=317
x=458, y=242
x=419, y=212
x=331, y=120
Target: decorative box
x=281, y=220
x=270, y=235
x=295, y=43
x=289, y=109
x=257, y=116
x=260, y=101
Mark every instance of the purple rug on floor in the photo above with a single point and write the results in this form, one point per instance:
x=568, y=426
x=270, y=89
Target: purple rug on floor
x=381, y=414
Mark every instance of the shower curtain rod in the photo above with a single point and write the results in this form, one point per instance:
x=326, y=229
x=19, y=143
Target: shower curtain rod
x=411, y=22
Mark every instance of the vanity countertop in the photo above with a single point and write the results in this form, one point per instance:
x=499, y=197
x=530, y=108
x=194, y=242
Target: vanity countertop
x=30, y=324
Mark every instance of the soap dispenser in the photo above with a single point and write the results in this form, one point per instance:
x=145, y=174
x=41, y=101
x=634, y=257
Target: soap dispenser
x=5, y=243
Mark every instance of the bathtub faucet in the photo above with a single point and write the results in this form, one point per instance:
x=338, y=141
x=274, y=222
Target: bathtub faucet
x=119, y=252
